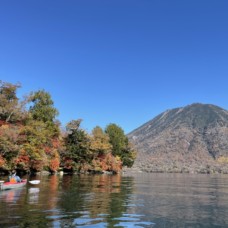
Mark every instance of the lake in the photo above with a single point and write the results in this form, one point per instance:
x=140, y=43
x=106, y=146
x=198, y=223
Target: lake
x=127, y=200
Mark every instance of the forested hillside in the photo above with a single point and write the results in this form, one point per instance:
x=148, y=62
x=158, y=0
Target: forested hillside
x=32, y=139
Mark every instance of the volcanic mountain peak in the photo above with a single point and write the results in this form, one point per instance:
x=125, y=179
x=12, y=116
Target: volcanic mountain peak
x=187, y=136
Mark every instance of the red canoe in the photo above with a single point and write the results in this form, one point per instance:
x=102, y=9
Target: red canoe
x=9, y=185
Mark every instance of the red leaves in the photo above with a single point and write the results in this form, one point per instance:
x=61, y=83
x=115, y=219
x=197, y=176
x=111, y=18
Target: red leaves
x=54, y=164
x=68, y=163
x=107, y=162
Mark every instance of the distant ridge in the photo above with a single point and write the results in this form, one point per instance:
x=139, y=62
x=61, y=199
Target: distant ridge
x=192, y=139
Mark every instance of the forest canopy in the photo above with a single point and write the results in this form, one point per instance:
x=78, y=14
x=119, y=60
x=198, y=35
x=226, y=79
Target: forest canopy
x=31, y=139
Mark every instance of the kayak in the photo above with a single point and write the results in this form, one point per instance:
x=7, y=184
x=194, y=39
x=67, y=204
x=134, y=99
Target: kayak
x=9, y=185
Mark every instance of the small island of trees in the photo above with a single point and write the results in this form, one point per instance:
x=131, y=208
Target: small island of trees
x=32, y=140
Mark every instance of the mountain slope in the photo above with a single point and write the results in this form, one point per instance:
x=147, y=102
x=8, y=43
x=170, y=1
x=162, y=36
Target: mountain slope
x=189, y=139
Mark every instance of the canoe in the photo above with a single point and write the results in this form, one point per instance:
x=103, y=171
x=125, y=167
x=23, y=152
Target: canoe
x=9, y=185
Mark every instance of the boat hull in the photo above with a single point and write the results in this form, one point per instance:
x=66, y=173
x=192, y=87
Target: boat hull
x=8, y=185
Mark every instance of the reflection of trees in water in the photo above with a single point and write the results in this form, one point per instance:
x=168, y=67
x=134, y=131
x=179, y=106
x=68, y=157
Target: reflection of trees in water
x=67, y=200
x=52, y=191
x=99, y=196
x=20, y=212
x=169, y=200
x=34, y=214
x=35, y=204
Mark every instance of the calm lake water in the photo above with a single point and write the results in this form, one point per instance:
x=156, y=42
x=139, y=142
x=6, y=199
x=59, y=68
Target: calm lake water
x=128, y=200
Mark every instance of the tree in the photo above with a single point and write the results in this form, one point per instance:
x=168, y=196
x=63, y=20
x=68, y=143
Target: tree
x=34, y=137
x=120, y=144
x=128, y=155
x=42, y=108
x=29, y=139
x=117, y=138
x=9, y=147
x=11, y=109
x=100, y=142
x=77, y=145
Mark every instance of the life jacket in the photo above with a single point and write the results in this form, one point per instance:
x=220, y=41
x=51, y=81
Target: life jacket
x=13, y=180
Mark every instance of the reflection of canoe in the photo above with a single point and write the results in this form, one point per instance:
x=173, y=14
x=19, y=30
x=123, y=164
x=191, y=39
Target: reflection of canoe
x=11, y=196
x=9, y=185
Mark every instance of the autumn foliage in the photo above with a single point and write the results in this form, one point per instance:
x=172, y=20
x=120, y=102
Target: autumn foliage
x=31, y=138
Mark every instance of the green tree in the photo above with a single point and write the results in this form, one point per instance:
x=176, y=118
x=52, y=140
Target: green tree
x=42, y=109
x=117, y=138
x=128, y=155
x=43, y=106
x=34, y=137
x=120, y=144
x=77, y=145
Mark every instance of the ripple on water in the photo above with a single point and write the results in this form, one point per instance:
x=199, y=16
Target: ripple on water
x=132, y=220
x=85, y=221
x=135, y=225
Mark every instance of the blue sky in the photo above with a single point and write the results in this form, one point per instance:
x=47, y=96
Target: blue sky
x=117, y=61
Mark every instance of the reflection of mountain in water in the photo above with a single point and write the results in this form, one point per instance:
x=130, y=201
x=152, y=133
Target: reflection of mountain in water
x=182, y=200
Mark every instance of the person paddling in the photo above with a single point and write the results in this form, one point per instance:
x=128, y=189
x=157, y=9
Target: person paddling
x=13, y=178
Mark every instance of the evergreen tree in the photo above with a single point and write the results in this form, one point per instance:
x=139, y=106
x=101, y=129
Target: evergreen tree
x=120, y=144
x=42, y=109
x=77, y=146
x=117, y=138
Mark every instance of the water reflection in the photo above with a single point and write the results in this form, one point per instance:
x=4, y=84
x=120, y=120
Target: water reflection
x=33, y=195
x=142, y=200
x=176, y=200
x=10, y=196
x=93, y=201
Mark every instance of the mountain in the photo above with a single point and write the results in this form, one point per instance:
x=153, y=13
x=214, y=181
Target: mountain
x=188, y=139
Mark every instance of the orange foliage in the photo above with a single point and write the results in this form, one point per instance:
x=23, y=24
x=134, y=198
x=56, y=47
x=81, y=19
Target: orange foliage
x=107, y=162
x=54, y=164
x=23, y=160
x=47, y=149
x=2, y=161
x=56, y=143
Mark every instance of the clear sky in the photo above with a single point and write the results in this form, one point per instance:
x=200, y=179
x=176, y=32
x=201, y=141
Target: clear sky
x=117, y=61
